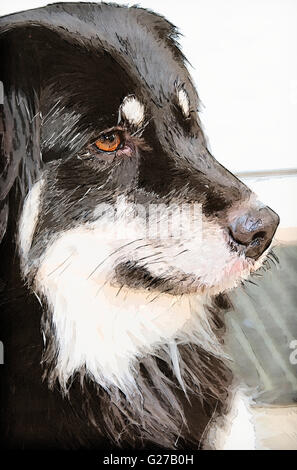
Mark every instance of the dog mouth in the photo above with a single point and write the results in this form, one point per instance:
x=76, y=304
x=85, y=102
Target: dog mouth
x=177, y=282
x=135, y=276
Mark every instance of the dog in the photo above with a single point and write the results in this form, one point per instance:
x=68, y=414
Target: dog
x=112, y=325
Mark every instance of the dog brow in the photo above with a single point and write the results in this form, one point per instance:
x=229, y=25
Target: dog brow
x=184, y=102
x=132, y=110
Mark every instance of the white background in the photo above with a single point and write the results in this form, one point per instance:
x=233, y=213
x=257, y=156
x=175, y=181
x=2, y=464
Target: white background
x=243, y=56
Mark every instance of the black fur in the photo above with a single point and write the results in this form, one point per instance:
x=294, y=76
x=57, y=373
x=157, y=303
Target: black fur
x=66, y=69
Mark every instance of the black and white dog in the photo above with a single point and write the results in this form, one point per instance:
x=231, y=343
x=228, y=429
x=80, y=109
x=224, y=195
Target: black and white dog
x=111, y=326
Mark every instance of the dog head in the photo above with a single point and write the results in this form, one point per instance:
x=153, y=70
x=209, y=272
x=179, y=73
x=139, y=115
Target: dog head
x=127, y=214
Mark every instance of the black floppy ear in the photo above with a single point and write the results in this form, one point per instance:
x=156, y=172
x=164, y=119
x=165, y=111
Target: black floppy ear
x=20, y=158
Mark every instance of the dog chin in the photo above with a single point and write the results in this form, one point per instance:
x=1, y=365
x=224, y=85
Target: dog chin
x=236, y=273
x=175, y=281
x=238, y=270
x=178, y=282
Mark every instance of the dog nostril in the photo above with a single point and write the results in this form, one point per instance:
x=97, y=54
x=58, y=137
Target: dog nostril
x=252, y=233
x=259, y=235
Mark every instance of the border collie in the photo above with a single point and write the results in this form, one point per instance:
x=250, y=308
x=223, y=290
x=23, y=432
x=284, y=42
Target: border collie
x=120, y=234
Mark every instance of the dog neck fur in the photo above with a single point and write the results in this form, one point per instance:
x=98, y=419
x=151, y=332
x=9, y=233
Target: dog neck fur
x=104, y=329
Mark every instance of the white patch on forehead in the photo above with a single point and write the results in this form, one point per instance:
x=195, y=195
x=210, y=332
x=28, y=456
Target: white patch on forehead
x=132, y=110
x=184, y=102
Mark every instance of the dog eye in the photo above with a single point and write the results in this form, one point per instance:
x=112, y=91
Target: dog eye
x=109, y=142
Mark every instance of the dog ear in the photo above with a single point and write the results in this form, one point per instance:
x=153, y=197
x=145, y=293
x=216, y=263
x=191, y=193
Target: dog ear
x=20, y=158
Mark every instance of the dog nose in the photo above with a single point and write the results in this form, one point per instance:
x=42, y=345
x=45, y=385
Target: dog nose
x=254, y=231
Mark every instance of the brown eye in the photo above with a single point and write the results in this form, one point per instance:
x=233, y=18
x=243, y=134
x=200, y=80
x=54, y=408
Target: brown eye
x=108, y=142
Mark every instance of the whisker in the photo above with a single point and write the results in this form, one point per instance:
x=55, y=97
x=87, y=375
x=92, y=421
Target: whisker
x=150, y=256
x=274, y=256
x=119, y=290
x=61, y=264
x=181, y=252
x=251, y=282
x=111, y=254
x=66, y=267
x=139, y=131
